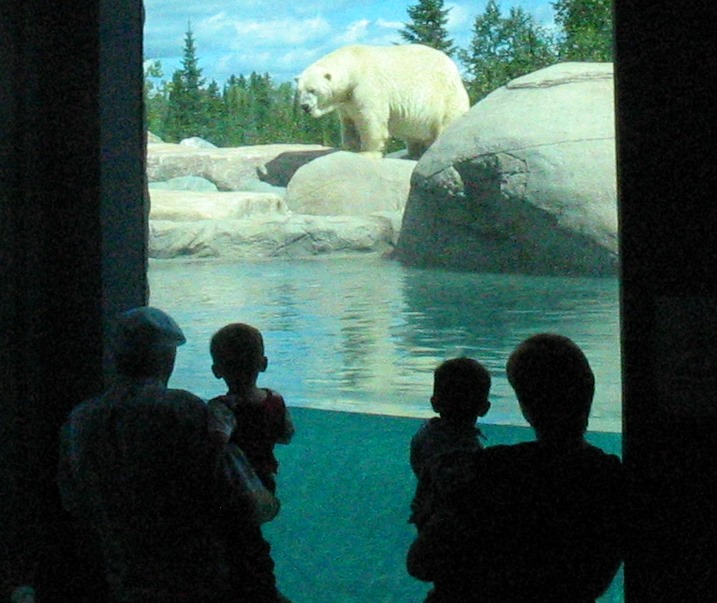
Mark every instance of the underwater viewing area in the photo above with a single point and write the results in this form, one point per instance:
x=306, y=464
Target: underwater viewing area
x=352, y=344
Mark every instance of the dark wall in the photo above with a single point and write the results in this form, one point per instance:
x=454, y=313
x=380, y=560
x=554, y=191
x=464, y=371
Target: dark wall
x=666, y=61
x=71, y=173
x=73, y=252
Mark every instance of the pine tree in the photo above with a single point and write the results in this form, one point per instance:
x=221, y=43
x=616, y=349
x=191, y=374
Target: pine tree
x=185, y=115
x=214, y=115
x=155, y=98
x=428, y=26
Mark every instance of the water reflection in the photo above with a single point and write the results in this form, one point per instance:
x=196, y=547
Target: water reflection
x=366, y=334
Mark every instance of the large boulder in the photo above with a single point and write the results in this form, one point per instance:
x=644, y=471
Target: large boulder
x=231, y=169
x=350, y=184
x=524, y=182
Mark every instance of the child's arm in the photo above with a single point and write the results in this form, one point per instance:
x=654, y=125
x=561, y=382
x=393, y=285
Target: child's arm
x=222, y=421
x=288, y=432
x=264, y=504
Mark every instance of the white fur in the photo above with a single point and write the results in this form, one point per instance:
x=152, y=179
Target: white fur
x=410, y=92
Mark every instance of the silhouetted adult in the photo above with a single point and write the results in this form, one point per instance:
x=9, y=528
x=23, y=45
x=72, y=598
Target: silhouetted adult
x=532, y=522
x=142, y=466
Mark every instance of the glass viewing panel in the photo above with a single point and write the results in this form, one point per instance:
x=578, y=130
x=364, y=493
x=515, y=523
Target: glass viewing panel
x=355, y=332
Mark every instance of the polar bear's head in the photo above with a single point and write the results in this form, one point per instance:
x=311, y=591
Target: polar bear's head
x=317, y=93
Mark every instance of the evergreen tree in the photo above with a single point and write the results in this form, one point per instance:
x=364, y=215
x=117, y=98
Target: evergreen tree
x=428, y=26
x=214, y=115
x=185, y=113
x=245, y=111
x=155, y=98
x=503, y=48
x=587, y=29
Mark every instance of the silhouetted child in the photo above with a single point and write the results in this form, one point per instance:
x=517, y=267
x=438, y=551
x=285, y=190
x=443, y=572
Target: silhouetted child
x=537, y=521
x=260, y=416
x=460, y=396
x=253, y=419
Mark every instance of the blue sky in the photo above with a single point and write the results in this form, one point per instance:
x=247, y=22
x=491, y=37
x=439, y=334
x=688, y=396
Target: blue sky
x=282, y=37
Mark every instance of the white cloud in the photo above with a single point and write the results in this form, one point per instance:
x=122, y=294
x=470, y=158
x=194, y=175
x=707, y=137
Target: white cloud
x=460, y=16
x=287, y=31
x=282, y=37
x=390, y=24
x=355, y=32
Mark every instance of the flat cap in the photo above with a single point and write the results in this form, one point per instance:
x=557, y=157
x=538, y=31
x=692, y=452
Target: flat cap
x=145, y=328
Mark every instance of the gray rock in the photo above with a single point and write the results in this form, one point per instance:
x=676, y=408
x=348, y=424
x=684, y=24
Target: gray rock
x=188, y=206
x=185, y=183
x=350, y=184
x=525, y=182
x=231, y=169
x=270, y=236
x=259, y=186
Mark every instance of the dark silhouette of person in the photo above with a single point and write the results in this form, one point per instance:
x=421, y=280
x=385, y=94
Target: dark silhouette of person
x=460, y=396
x=533, y=522
x=142, y=467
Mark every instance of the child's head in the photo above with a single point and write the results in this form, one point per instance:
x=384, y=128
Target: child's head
x=460, y=390
x=238, y=353
x=554, y=384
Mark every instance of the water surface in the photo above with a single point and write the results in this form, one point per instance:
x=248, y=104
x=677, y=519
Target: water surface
x=365, y=334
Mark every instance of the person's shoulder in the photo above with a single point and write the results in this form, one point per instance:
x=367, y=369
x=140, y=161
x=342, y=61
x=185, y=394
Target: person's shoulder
x=86, y=406
x=83, y=415
x=273, y=396
x=181, y=398
x=508, y=452
x=274, y=401
x=604, y=465
x=184, y=396
x=429, y=425
x=425, y=432
x=590, y=455
x=225, y=400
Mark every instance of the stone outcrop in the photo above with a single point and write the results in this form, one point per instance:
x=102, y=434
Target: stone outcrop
x=270, y=236
x=350, y=184
x=524, y=182
x=190, y=217
x=185, y=183
x=190, y=206
x=230, y=169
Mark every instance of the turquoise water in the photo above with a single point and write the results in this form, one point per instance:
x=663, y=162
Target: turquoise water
x=364, y=334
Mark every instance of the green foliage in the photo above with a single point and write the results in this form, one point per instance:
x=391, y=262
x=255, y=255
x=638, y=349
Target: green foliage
x=245, y=111
x=587, y=29
x=503, y=48
x=155, y=98
x=428, y=26
x=186, y=115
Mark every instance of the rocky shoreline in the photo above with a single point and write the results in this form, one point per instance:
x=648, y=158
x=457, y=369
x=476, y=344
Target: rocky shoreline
x=524, y=182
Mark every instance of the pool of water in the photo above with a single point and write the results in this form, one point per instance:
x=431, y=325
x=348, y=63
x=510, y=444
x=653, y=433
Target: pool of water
x=365, y=334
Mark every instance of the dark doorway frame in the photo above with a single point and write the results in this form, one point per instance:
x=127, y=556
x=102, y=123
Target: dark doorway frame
x=73, y=252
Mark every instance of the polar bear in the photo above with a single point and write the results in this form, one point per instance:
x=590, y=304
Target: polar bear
x=411, y=92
